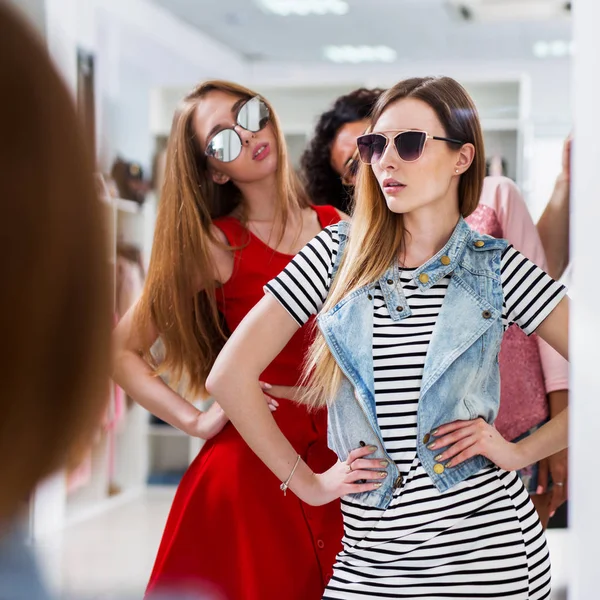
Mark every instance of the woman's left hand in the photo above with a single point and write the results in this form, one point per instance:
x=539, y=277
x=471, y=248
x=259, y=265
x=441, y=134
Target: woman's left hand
x=559, y=471
x=465, y=439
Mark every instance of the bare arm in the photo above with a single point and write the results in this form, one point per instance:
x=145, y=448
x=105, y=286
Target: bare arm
x=138, y=379
x=553, y=225
x=554, y=436
x=254, y=344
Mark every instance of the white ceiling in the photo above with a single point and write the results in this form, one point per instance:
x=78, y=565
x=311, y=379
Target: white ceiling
x=416, y=29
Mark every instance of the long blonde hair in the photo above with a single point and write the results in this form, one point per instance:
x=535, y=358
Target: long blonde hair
x=188, y=323
x=377, y=232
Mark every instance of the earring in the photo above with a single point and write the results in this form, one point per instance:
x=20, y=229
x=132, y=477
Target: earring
x=456, y=170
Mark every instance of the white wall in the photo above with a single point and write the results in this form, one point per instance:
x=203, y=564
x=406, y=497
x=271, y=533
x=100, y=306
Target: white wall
x=34, y=10
x=585, y=319
x=138, y=46
x=550, y=80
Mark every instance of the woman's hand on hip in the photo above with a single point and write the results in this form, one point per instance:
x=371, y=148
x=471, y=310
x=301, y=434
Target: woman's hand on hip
x=465, y=439
x=211, y=422
x=356, y=474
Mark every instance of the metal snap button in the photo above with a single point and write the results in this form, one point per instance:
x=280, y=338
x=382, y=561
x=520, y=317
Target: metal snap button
x=486, y=314
x=438, y=468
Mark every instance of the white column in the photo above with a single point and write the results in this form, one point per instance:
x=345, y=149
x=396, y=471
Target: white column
x=585, y=316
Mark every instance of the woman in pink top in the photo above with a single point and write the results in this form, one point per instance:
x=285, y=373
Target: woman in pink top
x=534, y=376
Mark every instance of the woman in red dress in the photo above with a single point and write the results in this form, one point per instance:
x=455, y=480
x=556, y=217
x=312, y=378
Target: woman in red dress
x=232, y=215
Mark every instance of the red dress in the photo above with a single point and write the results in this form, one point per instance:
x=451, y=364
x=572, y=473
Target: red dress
x=231, y=530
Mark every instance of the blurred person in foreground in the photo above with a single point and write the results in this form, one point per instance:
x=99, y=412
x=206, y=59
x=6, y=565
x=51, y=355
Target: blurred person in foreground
x=55, y=301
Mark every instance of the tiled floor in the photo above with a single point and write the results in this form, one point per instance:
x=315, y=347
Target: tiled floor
x=110, y=557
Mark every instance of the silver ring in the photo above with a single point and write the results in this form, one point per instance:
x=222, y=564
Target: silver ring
x=559, y=484
x=349, y=468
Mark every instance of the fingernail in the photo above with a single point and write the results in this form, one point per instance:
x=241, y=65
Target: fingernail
x=448, y=464
x=438, y=457
x=267, y=386
x=434, y=432
x=275, y=402
x=431, y=446
x=382, y=474
x=540, y=490
x=373, y=448
x=552, y=514
x=377, y=485
x=384, y=463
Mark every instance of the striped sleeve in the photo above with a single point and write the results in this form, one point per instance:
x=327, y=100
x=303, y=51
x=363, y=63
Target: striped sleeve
x=530, y=294
x=302, y=287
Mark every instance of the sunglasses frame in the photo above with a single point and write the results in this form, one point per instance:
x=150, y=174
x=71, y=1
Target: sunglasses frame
x=237, y=124
x=350, y=169
x=398, y=133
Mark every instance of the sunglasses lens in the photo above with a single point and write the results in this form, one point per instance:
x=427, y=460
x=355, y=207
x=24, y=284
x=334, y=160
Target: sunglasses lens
x=371, y=147
x=410, y=144
x=254, y=115
x=225, y=146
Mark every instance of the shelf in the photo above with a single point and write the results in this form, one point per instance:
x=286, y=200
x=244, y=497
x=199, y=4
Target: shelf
x=166, y=431
x=128, y=206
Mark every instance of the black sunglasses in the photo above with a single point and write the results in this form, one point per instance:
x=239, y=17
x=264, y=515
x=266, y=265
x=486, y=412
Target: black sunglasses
x=409, y=145
x=226, y=145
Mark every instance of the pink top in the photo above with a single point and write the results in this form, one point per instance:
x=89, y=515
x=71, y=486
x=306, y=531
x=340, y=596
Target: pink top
x=527, y=365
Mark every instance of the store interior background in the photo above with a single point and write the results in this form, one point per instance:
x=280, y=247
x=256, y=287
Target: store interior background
x=514, y=56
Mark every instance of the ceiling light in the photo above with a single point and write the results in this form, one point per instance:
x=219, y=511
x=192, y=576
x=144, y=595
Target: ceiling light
x=358, y=54
x=509, y=10
x=553, y=49
x=559, y=48
x=285, y=8
x=541, y=49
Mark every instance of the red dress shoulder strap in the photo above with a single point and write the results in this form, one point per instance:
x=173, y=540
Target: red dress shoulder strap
x=235, y=232
x=328, y=215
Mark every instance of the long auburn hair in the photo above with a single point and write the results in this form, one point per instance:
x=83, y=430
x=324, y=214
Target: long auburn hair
x=377, y=232
x=188, y=322
x=55, y=306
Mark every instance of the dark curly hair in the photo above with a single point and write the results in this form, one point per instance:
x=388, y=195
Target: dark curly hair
x=323, y=184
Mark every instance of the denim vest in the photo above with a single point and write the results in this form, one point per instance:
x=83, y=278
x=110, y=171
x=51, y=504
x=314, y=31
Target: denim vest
x=461, y=378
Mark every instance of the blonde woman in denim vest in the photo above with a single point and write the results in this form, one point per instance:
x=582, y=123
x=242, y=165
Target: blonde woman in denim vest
x=412, y=306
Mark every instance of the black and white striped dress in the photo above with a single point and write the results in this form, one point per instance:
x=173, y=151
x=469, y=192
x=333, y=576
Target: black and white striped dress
x=482, y=538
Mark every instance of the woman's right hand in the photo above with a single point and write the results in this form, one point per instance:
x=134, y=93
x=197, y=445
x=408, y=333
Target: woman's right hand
x=211, y=422
x=344, y=477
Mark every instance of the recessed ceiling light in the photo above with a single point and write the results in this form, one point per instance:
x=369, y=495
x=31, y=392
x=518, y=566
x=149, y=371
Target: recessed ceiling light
x=553, y=49
x=541, y=49
x=559, y=48
x=303, y=8
x=358, y=54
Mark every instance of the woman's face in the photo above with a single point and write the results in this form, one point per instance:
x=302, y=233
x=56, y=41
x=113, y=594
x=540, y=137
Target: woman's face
x=344, y=147
x=218, y=110
x=431, y=179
